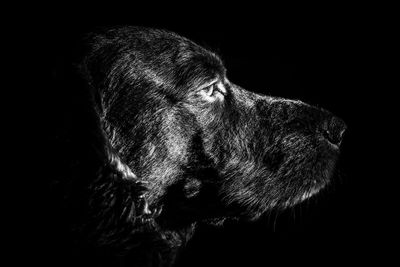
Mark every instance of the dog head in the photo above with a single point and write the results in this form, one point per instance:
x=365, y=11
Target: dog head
x=207, y=147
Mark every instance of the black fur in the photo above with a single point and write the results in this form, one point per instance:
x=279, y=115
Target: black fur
x=172, y=152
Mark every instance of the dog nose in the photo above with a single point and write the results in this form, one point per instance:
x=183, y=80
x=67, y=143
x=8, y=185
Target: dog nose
x=333, y=129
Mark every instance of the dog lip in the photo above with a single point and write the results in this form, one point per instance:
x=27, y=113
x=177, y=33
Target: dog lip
x=316, y=187
x=334, y=146
x=310, y=193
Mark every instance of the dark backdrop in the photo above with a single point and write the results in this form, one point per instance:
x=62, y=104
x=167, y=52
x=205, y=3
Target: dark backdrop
x=326, y=61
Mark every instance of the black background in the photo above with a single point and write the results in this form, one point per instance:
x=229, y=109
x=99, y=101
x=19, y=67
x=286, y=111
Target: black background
x=329, y=60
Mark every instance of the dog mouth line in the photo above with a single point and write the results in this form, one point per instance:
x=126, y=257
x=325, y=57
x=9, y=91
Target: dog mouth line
x=310, y=193
x=304, y=196
x=334, y=146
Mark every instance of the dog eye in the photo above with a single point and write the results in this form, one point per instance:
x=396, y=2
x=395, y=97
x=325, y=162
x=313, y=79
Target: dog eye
x=213, y=92
x=211, y=89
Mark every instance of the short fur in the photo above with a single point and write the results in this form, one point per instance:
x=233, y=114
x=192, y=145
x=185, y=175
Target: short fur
x=172, y=154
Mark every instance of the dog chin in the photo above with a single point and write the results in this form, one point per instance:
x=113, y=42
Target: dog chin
x=315, y=186
x=307, y=194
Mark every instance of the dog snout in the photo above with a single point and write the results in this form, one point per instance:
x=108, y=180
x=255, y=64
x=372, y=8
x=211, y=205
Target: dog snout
x=305, y=117
x=333, y=129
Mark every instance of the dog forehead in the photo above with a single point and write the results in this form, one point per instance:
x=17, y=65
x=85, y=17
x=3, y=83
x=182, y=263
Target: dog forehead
x=180, y=61
x=191, y=57
x=130, y=59
x=164, y=44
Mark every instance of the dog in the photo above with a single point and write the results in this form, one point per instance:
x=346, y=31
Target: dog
x=178, y=143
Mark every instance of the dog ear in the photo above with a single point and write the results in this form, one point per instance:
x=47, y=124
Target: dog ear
x=98, y=70
x=98, y=110
x=107, y=197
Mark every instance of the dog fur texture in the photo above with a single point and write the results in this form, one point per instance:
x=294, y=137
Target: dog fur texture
x=179, y=143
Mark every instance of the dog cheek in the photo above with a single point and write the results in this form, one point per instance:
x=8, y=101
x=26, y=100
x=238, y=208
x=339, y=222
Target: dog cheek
x=301, y=153
x=176, y=146
x=307, y=168
x=274, y=160
x=206, y=114
x=175, y=140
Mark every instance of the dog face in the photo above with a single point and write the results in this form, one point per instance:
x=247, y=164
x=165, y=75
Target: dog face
x=206, y=146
